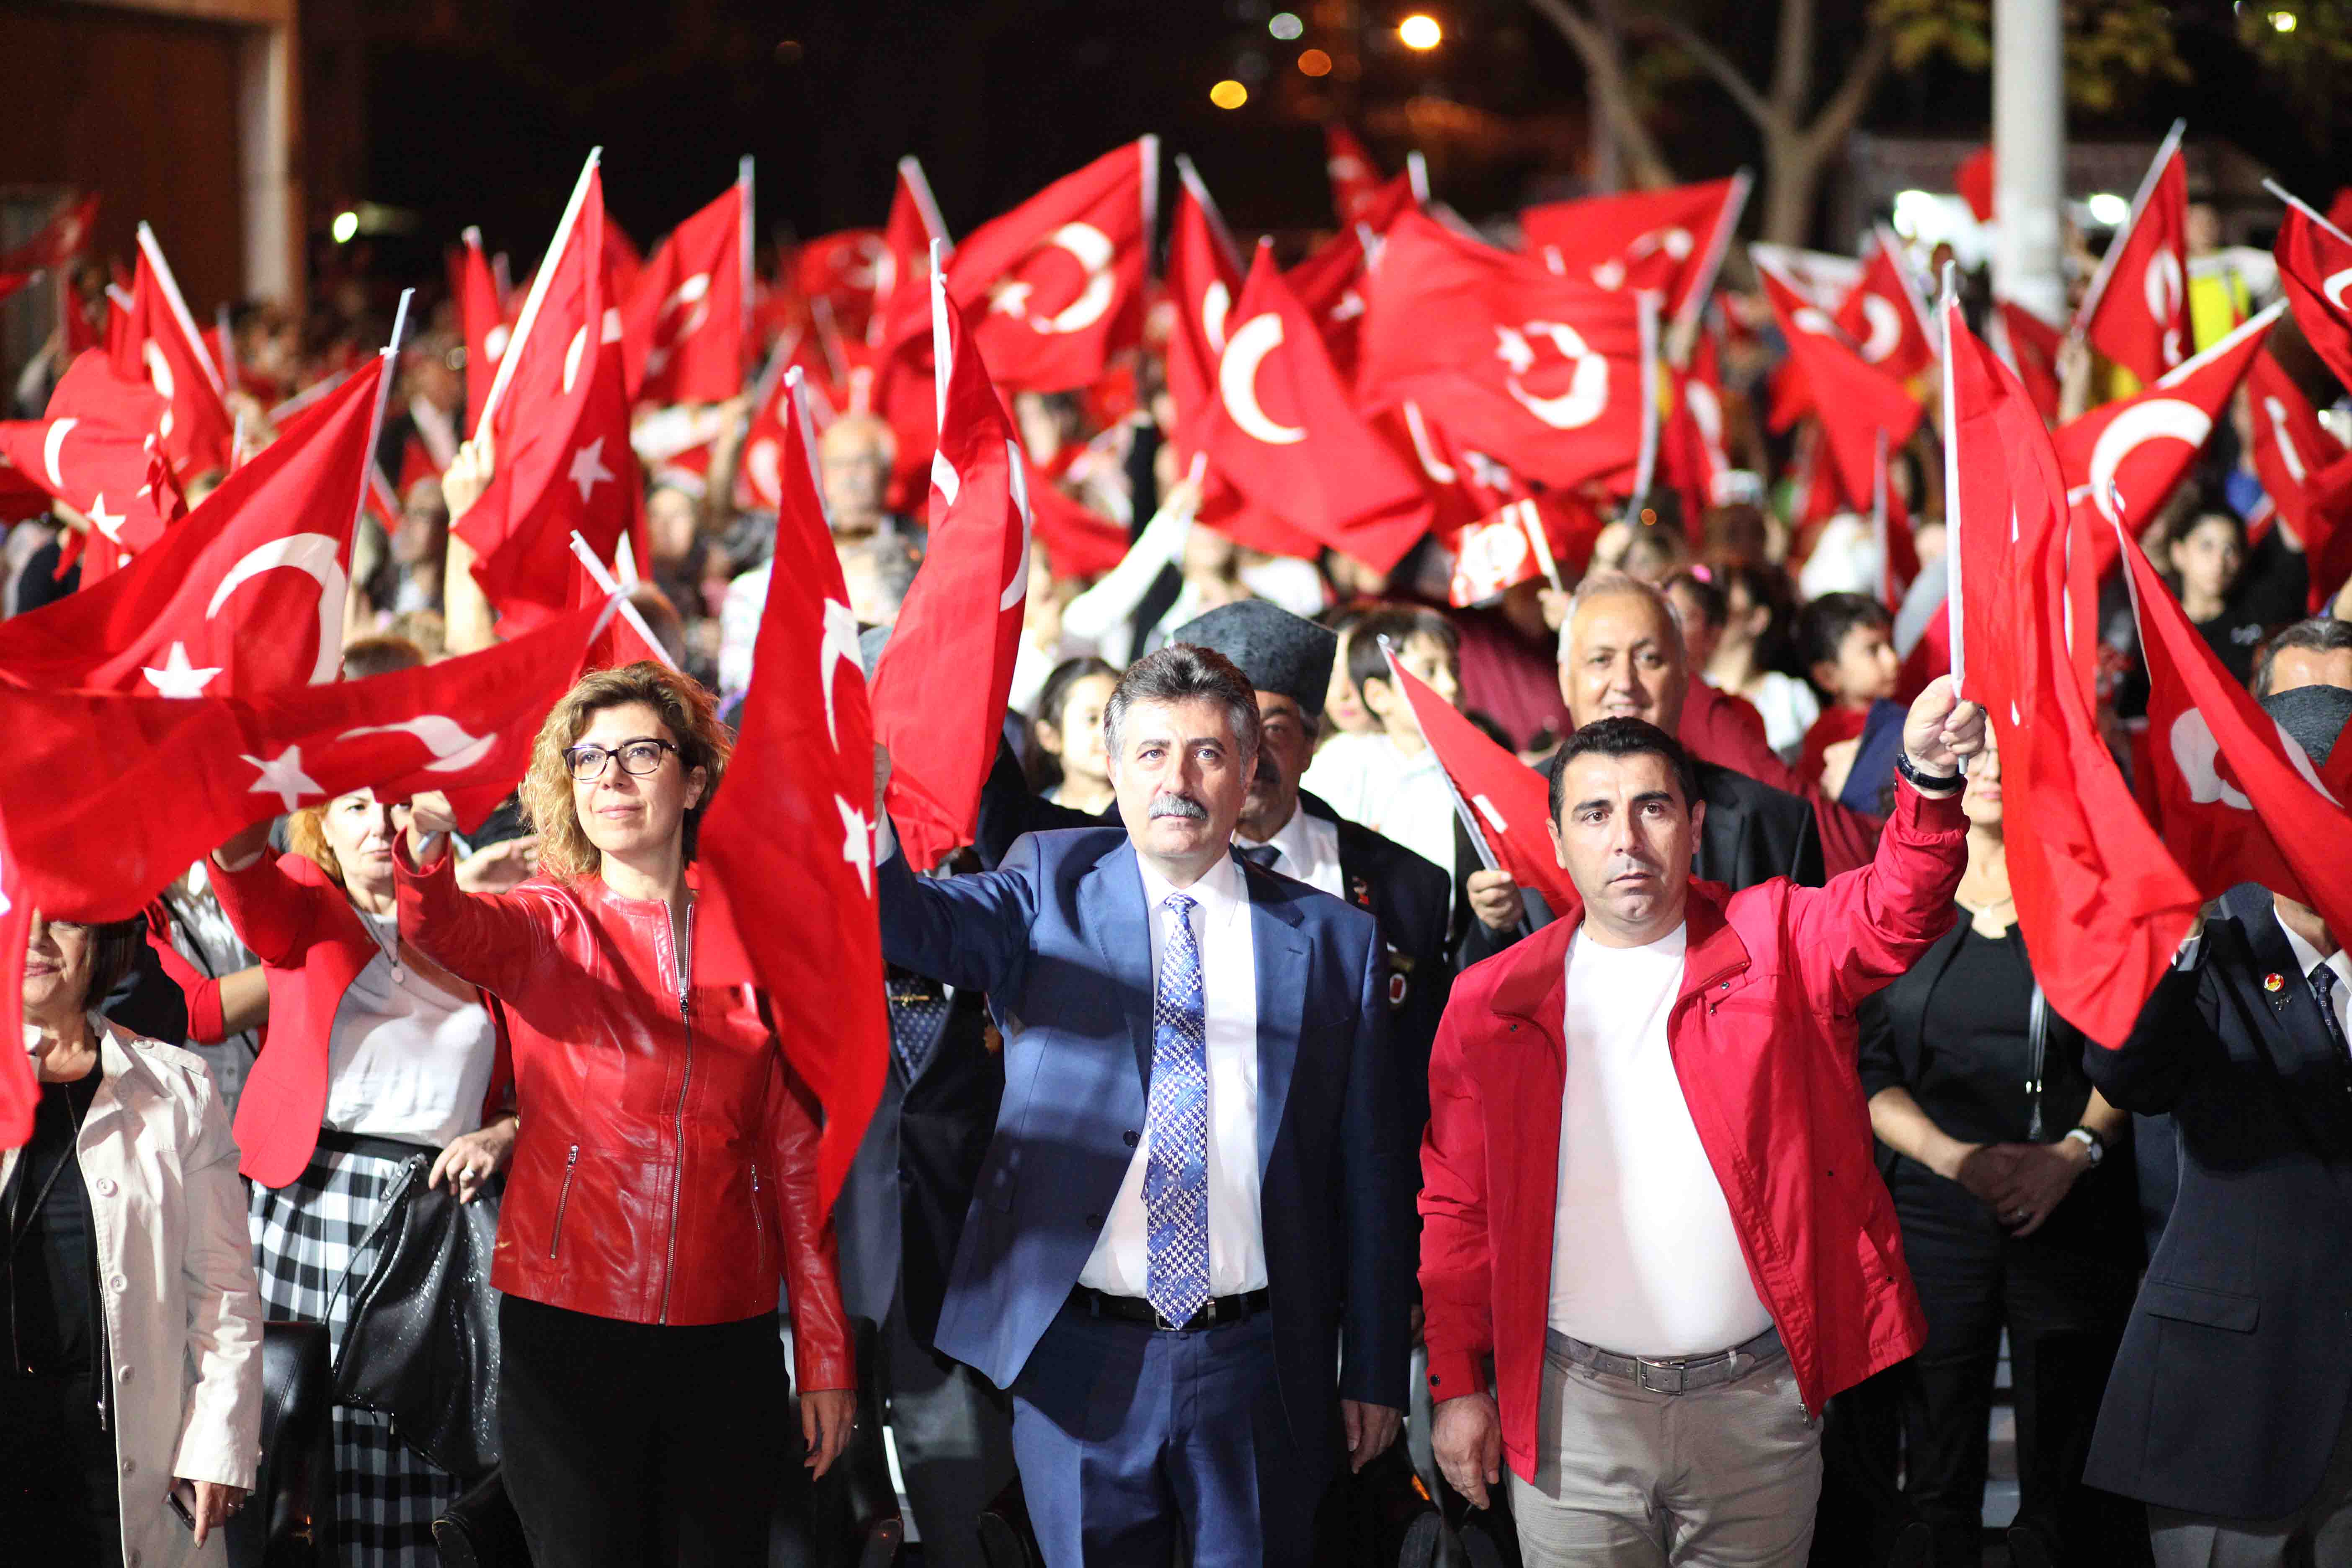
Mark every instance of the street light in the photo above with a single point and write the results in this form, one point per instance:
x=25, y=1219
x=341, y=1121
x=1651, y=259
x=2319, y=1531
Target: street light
x=346, y=225
x=1229, y=94
x=2282, y=21
x=1419, y=31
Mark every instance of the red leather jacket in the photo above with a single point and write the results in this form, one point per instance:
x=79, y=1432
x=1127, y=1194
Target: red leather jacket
x=665, y=1170
x=1763, y=1041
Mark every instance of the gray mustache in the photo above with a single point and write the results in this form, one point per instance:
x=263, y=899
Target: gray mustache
x=1178, y=805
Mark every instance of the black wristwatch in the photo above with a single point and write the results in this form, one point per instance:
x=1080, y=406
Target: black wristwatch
x=2092, y=1144
x=1926, y=784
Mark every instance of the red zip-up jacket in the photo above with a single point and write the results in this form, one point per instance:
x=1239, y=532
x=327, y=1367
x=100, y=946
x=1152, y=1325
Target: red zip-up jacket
x=665, y=1165
x=1763, y=1041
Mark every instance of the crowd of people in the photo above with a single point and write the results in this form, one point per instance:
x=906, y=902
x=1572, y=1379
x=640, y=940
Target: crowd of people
x=1690, y=1220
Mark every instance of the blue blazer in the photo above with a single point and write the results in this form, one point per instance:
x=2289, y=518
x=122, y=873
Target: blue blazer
x=1057, y=938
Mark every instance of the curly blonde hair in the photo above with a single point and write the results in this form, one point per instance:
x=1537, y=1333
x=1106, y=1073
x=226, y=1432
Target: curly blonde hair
x=685, y=709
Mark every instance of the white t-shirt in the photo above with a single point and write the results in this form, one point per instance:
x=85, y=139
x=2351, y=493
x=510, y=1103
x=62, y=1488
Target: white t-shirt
x=1645, y=1260
x=1368, y=780
x=406, y=1060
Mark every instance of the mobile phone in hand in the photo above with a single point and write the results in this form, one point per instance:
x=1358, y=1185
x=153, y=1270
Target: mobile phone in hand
x=182, y=1498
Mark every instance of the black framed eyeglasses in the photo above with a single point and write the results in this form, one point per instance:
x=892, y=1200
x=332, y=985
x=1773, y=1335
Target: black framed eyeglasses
x=637, y=757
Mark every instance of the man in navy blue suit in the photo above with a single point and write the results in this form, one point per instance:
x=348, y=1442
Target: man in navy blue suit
x=1199, y=1197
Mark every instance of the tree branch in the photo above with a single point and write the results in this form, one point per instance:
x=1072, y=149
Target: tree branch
x=1792, y=60
x=1604, y=70
x=1837, y=117
x=1717, y=64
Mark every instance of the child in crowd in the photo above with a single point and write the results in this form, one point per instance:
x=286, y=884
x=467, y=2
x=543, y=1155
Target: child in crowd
x=1388, y=779
x=1849, y=643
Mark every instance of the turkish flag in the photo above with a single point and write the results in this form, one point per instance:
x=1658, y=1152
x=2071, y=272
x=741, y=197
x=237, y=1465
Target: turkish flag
x=1549, y=536
x=1855, y=401
x=2101, y=903
x=2306, y=472
x=1667, y=242
x=1510, y=800
x=558, y=413
x=1543, y=372
x=82, y=809
x=2315, y=263
x=2240, y=800
x=1691, y=449
x=1329, y=283
x=788, y=830
x=96, y=449
x=482, y=318
x=1284, y=434
x=159, y=344
x=841, y=268
x=1463, y=485
x=1355, y=178
x=1204, y=278
x=2029, y=346
x=1054, y=287
x=686, y=324
x=2140, y=447
x=62, y=240
x=19, y=1090
x=1883, y=316
x=2135, y=311
x=905, y=262
x=963, y=613
x=218, y=606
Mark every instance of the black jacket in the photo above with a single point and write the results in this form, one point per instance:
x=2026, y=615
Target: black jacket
x=1406, y=896
x=1752, y=834
x=902, y=1206
x=2230, y=1392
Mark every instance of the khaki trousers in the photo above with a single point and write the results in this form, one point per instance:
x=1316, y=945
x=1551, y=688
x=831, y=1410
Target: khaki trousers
x=1725, y=1477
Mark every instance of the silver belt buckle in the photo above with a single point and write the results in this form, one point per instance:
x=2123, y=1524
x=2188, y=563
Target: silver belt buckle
x=1643, y=1367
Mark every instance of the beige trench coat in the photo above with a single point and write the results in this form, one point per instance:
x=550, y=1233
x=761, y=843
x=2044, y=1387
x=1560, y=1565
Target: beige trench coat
x=175, y=1272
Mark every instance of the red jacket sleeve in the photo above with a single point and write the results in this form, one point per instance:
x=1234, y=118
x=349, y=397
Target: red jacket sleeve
x=1870, y=924
x=1456, y=1249
x=495, y=940
x=275, y=915
x=822, y=1350
x=203, y=991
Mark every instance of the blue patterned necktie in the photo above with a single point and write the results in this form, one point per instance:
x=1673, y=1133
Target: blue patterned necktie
x=2322, y=984
x=1176, y=1174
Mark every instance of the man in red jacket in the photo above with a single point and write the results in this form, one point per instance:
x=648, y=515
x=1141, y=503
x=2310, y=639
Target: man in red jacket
x=1648, y=1186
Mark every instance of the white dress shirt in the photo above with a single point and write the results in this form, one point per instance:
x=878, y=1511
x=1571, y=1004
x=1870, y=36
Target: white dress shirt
x=1645, y=1259
x=1121, y=1265
x=2306, y=959
x=1310, y=850
x=1367, y=779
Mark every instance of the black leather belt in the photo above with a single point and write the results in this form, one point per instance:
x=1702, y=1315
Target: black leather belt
x=1217, y=1311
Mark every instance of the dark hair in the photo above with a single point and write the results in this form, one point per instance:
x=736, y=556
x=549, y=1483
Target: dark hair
x=1622, y=738
x=1824, y=627
x=364, y=656
x=1712, y=604
x=1767, y=585
x=113, y=948
x=1042, y=767
x=2320, y=634
x=1399, y=623
x=1183, y=673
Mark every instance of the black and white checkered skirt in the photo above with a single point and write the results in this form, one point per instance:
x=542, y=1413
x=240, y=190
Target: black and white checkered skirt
x=306, y=1235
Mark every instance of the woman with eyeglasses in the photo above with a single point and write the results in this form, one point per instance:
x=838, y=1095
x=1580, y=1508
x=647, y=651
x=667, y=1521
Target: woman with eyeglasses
x=130, y=1333
x=665, y=1173
x=381, y=1069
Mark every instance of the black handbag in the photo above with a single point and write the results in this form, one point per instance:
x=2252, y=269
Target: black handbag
x=422, y=1345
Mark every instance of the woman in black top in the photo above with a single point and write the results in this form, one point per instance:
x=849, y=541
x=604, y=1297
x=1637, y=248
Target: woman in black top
x=2018, y=1211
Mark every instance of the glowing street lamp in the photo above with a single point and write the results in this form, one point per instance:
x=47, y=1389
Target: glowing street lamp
x=1229, y=94
x=1419, y=31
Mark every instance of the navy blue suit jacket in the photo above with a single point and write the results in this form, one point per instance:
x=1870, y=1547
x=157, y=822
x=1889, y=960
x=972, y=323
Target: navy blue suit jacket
x=1057, y=938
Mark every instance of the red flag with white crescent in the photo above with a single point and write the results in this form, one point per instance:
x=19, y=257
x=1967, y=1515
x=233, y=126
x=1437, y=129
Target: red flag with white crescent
x=2129, y=454
x=1668, y=242
x=1508, y=801
x=60, y=241
x=2306, y=473
x=1547, y=374
x=1355, y=178
x=2135, y=311
x=1854, y=400
x=686, y=324
x=789, y=830
x=2315, y=263
x=903, y=263
x=963, y=613
x=159, y=344
x=96, y=448
x=218, y=605
x=481, y=316
x=1883, y=313
x=1204, y=278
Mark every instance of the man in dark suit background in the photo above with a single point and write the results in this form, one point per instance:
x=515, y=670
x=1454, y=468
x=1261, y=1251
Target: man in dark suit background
x=2226, y=1411
x=1622, y=656
x=1197, y=1198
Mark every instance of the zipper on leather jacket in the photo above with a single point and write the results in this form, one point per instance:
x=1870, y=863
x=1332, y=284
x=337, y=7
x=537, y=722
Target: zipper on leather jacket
x=562, y=1199
x=759, y=1220
x=682, y=966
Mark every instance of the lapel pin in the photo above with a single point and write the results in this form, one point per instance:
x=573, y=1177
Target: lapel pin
x=2273, y=982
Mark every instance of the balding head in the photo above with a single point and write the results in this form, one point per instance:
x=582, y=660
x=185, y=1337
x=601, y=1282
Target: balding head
x=854, y=458
x=1621, y=654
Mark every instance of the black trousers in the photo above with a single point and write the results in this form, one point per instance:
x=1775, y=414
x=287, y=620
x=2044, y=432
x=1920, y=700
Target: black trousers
x=2063, y=1294
x=58, y=1502
x=629, y=1444
x=954, y=1434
